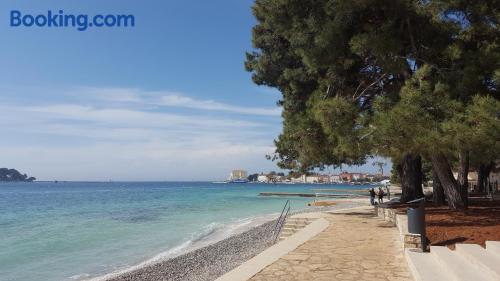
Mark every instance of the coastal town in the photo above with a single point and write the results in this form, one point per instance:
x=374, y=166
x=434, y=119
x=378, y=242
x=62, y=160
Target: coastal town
x=241, y=176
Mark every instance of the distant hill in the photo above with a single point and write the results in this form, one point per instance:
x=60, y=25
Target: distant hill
x=14, y=175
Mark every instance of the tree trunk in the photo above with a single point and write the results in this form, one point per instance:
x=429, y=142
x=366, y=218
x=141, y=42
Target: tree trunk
x=463, y=173
x=481, y=179
x=399, y=170
x=419, y=176
x=437, y=189
x=483, y=173
x=410, y=173
x=450, y=185
x=407, y=179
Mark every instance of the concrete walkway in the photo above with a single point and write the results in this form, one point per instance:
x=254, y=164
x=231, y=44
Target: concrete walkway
x=275, y=252
x=356, y=246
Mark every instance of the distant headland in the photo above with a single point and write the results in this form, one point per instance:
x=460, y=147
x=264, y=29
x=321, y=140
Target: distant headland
x=7, y=174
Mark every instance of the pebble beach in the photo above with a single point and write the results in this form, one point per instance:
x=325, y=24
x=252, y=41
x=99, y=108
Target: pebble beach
x=207, y=263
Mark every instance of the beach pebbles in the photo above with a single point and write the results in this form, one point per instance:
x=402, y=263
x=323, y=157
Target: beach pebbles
x=210, y=262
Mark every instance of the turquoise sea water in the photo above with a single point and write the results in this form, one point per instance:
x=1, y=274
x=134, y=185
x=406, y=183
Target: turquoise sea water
x=79, y=230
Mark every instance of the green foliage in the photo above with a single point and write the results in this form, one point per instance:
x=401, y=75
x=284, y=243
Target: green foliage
x=13, y=175
x=426, y=171
x=379, y=77
x=428, y=120
x=395, y=176
x=303, y=146
x=252, y=177
x=337, y=116
x=325, y=54
x=476, y=129
x=414, y=123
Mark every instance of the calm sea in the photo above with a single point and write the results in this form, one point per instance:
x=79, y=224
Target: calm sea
x=79, y=230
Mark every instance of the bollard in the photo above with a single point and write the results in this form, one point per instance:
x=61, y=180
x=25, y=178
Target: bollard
x=416, y=221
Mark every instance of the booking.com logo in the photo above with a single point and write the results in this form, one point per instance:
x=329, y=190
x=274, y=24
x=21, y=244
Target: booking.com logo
x=59, y=19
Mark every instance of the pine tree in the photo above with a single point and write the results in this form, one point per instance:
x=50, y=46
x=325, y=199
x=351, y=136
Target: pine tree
x=379, y=77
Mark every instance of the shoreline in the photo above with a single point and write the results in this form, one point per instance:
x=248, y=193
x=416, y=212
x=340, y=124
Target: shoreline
x=210, y=261
x=206, y=263
x=215, y=236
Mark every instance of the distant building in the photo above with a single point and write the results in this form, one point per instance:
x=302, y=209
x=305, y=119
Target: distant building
x=301, y=179
x=335, y=178
x=279, y=179
x=312, y=179
x=345, y=176
x=348, y=177
x=263, y=178
x=357, y=176
x=471, y=176
x=238, y=174
x=371, y=178
x=317, y=179
x=494, y=178
x=342, y=177
x=324, y=179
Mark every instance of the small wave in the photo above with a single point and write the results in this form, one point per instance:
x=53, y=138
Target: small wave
x=209, y=234
x=208, y=230
x=79, y=276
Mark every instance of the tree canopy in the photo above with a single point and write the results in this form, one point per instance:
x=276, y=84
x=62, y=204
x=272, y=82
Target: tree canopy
x=14, y=175
x=393, y=78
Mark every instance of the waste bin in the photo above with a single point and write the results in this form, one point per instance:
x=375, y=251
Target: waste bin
x=416, y=222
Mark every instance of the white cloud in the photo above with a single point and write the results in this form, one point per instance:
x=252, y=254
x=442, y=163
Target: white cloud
x=133, y=135
x=130, y=134
x=144, y=161
x=173, y=99
x=183, y=101
x=124, y=116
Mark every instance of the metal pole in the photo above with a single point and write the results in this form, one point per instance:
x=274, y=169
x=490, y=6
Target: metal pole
x=423, y=237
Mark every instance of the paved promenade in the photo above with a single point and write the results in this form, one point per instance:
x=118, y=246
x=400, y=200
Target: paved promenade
x=356, y=246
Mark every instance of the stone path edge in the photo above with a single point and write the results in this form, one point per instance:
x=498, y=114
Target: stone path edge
x=253, y=266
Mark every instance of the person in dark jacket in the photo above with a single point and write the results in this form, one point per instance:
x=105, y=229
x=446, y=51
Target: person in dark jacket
x=372, y=196
x=380, y=195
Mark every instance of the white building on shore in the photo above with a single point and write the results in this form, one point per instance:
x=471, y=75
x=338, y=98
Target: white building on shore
x=335, y=178
x=312, y=179
x=301, y=179
x=263, y=178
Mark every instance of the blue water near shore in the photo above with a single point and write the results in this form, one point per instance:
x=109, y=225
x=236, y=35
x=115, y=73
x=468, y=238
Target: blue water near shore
x=78, y=230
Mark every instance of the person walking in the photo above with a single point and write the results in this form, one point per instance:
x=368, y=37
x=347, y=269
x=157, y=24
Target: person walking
x=388, y=192
x=372, y=196
x=380, y=195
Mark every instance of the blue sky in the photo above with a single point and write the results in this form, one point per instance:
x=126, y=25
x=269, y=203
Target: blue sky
x=168, y=99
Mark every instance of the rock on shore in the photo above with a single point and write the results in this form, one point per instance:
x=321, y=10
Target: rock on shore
x=207, y=263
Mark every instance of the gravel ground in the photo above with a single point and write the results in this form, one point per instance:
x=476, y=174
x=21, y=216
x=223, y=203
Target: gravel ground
x=210, y=262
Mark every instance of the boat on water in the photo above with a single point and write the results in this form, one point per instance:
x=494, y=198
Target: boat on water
x=238, y=181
